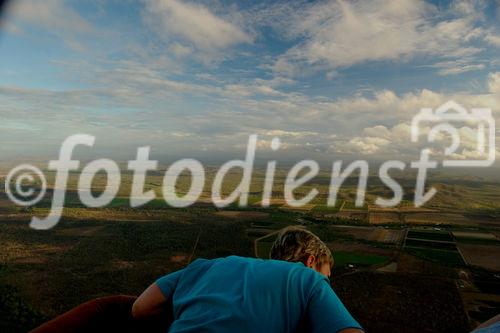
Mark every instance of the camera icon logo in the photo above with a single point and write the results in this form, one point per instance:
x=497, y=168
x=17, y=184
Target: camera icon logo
x=445, y=120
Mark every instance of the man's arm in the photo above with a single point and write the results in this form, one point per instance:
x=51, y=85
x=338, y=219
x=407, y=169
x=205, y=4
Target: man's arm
x=150, y=303
x=157, y=297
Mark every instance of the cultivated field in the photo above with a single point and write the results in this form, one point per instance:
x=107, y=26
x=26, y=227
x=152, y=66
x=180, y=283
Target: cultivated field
x=384, y=218
x=485, y=256
x=245, y=215
x=438, y=218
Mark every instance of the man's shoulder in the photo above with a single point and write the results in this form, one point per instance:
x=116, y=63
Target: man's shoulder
x=264, y=266
x=271, y=266
x=265, y=263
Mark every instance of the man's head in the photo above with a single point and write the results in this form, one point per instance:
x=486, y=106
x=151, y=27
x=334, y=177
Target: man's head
x=300, y=245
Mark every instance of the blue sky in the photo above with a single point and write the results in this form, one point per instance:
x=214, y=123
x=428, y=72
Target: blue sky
x=330, y=78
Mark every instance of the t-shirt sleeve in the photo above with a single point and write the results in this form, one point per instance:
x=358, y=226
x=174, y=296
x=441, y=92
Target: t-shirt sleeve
x=325, y=311
x=168, y=283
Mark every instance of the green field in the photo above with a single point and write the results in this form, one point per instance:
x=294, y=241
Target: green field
x=448, y=258
x=431, y=235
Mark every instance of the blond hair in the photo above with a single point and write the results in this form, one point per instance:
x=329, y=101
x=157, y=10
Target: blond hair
x=297, y=244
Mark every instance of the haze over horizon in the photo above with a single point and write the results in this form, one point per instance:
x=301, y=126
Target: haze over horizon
x=195, y=78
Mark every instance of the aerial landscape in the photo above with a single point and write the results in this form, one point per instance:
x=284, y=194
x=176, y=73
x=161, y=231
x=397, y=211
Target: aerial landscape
x=440, y=260
x=354, y=142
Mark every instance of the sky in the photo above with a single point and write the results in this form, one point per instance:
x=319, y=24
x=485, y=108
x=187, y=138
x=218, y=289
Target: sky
x=331, y=79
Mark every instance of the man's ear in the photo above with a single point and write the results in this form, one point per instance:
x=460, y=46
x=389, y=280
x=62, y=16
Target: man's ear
x=311, y=261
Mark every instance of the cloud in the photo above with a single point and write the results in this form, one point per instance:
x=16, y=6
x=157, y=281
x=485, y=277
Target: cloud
x=144, y=107
x=287, y=133
x=336, y=34
x=396, y=141
x=369, y=145
x=459, y=66
x=180, y=50
x=492, y=39
x=54, y=16
x=380, y=139
x=195, y=24
x=148, y=94
x=494, y=83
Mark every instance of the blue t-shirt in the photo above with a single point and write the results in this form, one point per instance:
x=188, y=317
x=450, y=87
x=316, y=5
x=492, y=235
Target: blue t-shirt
x=237, y=294
x=493, y=328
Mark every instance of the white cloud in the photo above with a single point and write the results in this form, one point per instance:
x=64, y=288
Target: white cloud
x=374, y=126
x=52, y=14
x=459, y=66
x=55, y=16
x=369, y=145
x=292, y=134
x=377, y=131
x=180, y=50
x=494, y=83
x=195, y=24
x=380, y=139
x=492, y=39
x=251, y=89
x=340, y=34
x=396, y=141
